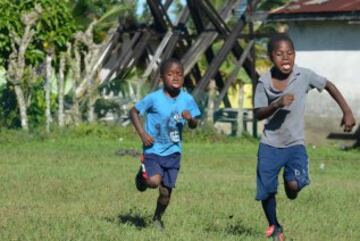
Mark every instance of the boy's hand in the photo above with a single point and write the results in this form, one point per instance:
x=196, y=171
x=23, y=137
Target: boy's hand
x=348, y=121
x=284, y=100
x=186, y=115
x=146, y=139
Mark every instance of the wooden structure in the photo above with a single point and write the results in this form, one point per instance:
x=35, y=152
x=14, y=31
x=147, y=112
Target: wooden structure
x=148, y=44
x=353, y=138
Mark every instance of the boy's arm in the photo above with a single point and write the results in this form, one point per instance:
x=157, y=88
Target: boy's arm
x=348, y=120
x=265, y=112
x=192, y=122
x=135, y=119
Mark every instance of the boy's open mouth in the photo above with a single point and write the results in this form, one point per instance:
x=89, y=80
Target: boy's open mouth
x=286, y=66
x=176, y=85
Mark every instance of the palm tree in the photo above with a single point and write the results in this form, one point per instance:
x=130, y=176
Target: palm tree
x=107, y=12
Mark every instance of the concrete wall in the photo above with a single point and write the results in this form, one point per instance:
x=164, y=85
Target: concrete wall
x=331, y=49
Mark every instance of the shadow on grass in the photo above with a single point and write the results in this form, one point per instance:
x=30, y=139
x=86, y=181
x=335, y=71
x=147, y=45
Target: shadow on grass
x=237, y=229
x=129, y=219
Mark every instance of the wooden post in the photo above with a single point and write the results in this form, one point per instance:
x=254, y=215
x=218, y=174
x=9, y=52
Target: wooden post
x=211, y=102
x=254, y=75
x=240, y=117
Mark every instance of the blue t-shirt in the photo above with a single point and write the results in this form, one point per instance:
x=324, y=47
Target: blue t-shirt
x=164, y=121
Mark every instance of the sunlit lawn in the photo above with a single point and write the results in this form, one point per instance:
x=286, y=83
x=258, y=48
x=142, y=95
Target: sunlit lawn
x=71, y=187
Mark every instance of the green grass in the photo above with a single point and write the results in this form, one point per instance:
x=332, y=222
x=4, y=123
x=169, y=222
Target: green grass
x=75, y=187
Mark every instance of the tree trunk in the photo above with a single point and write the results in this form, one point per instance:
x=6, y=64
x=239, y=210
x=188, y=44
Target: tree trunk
x=76, y=111
x=92, y=97
x=61, y=91
x=91, y=110
x=48, y=91
x=17, y=61
x=77, y=75
x=22, y=107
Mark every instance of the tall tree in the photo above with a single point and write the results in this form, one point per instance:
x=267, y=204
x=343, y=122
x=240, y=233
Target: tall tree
x=106, y=12
x=26, y=43
x=16, y=60
x=89, y=47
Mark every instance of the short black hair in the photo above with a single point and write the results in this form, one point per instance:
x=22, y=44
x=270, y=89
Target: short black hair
x=275, y=39
x=165, y=64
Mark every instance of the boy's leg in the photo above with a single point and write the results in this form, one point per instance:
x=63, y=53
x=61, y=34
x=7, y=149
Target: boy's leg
x=153, y=181
x=296, y=173
x=270, y=162
x=171, y=166
x=161, y=205
x=269, y=206
x=140, y=177
x=150, y=172
x=274, y=229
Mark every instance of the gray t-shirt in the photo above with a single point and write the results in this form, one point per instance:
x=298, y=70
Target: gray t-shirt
x=286, y=126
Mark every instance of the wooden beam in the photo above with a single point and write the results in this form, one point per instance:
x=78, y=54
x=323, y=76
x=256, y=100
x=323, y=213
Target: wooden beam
x=209, y=53
x=234, y=73
x=213, y=16
x=155, y=58
x=126, y=50
x=171, y=44
x=130, y=53
x=204, y=40
x=161, y=19
x=219, y=59
x=221, y=26
x=167, y=4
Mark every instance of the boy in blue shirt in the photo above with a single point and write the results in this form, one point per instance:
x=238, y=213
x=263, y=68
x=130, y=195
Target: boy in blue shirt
x=280, y=99
x=167, y=110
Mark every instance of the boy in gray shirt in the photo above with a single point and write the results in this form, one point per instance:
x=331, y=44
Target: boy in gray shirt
x=280, y=99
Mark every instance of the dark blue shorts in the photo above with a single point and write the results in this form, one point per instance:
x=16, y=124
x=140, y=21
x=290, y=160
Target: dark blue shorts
x=166, y=166
x=294, y=159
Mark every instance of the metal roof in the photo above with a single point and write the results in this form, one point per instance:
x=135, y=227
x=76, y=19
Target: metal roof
x=318, y=6
x=304, y=10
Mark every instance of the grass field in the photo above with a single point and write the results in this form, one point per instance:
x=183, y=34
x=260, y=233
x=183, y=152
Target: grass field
x=76, y=186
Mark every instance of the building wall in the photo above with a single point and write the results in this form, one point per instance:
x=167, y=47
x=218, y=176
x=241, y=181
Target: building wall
x=331, y=49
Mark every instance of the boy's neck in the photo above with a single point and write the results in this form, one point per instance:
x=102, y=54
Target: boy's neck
x=277, y=74
x=172, y=93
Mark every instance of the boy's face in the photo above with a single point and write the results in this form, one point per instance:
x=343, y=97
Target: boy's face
x=283, y=57
x=173, y=77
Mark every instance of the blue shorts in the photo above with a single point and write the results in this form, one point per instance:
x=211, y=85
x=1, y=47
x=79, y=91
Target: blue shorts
x=166, y=166
x=294, y=159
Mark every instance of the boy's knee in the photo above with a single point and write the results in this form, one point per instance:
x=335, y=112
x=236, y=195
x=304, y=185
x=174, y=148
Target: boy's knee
x=292, y=190
x=293, y=186
x=154, y=181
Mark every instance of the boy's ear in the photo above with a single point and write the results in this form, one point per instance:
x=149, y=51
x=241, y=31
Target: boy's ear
x=270, y=57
